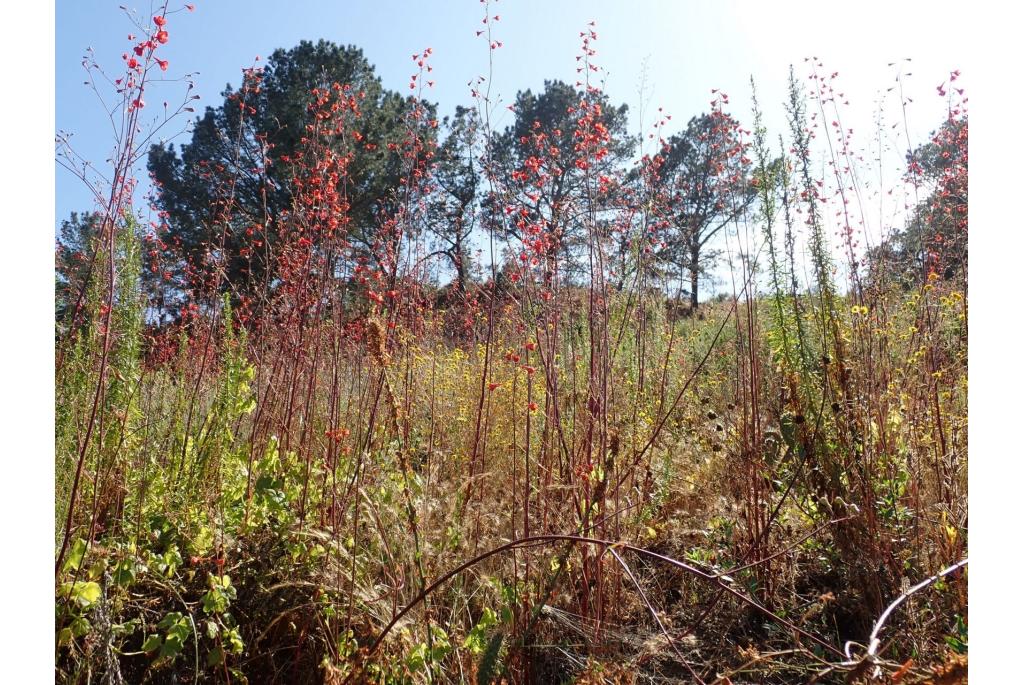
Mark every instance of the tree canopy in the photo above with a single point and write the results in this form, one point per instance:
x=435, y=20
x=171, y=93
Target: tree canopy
x=235, y=179
x=546, y=168
x=705, y=175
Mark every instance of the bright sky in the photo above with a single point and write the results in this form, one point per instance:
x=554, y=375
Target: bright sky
x=687, y=48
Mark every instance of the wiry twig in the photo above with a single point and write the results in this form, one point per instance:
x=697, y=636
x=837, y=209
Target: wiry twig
x=874, y=643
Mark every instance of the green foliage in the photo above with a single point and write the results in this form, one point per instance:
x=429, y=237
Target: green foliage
x=85, y=593
x=233, y=400
x=166, y=647
x=549, y=120
x=958, y=640
x=490, y=666
x=76, y=243
x=430, y=651
x=451, y=214
x=218, y=598
x=221, y=627
x=701, y=196
x=195, y=180
x=114, y=441
x=935, y=236
x=76, y=555
x=476, y=641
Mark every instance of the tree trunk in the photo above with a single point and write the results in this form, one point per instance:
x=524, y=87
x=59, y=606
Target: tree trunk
x=694, y=273
x=460, y=263
x=460, y=273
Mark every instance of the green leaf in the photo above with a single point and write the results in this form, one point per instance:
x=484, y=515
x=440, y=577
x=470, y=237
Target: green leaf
x=418, y=658
x=215, y=657
x=124, y=572
x=476, y=640
x=152, y=643
x=180, y=630
x=97, y=568
x=170, y=619
x=84, y=592
x=490, y=663
x=80, y=626
x=233, y=640
x=75, y=556
x=172, y=647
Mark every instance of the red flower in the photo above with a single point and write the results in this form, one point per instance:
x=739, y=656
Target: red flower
x=162, y=36
x=163, y=64
x=531, y=345
x=532, y=406
x=491, y=387
x=159, y=21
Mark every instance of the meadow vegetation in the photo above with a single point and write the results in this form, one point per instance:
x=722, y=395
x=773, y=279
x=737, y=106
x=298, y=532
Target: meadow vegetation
x=305, y=433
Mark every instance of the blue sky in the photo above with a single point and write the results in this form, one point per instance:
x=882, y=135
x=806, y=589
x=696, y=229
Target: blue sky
x=685, y=49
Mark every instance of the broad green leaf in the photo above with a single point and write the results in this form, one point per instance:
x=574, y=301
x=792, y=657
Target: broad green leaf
x=75, y=555
x=80, y=626
x=152, y=643
x=170, y=619
x=84, y=592
x=124, y=572
x=172, y=646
